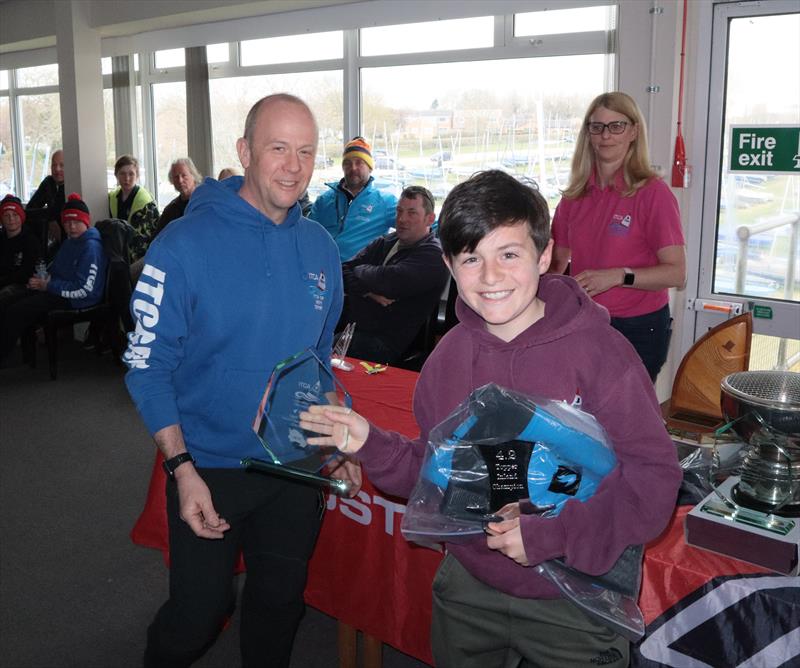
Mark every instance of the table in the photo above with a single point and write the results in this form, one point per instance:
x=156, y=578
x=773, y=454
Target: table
x=698, y=606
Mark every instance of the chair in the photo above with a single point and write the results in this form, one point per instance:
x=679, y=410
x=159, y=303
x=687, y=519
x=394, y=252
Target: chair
x=435, y=327
x=695, y=402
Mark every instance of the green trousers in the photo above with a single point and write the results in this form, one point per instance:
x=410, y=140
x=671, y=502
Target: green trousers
x=477, y=626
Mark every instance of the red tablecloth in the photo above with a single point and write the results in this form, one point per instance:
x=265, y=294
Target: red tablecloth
x=364, y=573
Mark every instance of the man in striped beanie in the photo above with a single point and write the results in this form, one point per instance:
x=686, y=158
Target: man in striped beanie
x=353, y=210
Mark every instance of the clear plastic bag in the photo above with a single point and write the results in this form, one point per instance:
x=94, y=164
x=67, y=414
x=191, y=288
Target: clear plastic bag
x=500, y=447
x=501, y=454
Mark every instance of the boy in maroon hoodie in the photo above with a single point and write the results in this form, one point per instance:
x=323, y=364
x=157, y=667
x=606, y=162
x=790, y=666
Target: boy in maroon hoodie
x=540, y=335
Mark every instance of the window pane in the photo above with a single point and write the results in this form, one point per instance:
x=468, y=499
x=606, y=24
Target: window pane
x=169, y=105
x=757, y=251
x=41, y=132
x=430, y=36
x=3, y=79
x=435, y=125
x=292, y=49
x=564, y=21
x=6, y=150
x=46, y=75
x=774, y=352
x=170, y=58
x=217, y=53
x=105, y=65
x=111, y=156
x=232, y=98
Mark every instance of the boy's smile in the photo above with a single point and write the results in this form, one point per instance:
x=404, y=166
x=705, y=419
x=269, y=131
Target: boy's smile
x=500, y=278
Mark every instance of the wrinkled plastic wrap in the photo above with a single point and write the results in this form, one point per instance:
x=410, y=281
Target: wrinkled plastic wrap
x=501, y=454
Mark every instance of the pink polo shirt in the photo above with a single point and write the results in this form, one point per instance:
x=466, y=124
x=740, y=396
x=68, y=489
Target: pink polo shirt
x=605, y=229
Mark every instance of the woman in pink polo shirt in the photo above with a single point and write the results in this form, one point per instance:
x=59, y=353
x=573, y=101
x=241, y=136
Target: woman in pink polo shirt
x=618, y=227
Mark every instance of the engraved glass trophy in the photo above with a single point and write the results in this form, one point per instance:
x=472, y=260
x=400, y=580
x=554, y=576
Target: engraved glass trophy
x=296, y=383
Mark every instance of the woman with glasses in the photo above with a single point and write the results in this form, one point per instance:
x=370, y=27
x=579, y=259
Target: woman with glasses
x=618, y=227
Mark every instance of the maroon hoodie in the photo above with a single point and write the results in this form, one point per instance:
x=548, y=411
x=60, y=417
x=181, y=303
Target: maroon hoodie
x=572, y=350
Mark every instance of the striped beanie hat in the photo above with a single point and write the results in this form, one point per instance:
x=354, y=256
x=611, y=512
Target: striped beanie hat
x=357, y=147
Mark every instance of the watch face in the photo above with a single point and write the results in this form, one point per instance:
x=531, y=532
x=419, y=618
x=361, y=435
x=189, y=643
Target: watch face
x=629, y=278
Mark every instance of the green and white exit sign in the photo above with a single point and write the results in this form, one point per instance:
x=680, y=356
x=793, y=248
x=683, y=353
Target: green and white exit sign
x=765, y=149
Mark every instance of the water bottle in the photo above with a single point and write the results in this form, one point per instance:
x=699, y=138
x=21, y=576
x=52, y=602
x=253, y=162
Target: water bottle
x=41, y=270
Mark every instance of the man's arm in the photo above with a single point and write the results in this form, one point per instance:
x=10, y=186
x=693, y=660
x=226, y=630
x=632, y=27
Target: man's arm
x=411, y=273
x=194, y=498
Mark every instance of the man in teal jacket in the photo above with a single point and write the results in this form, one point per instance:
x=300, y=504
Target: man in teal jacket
x=354, y=211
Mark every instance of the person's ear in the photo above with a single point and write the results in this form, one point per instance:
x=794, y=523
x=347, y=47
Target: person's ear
x=243, y=150
x=448, y=264
x=546, y=257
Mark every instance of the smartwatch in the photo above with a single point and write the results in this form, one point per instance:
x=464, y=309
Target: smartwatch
x=627, y=281
x=174, y=462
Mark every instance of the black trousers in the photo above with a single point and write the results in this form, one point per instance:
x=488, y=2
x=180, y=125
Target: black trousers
x=650, y=334
x=24, y=313
x=275, y=524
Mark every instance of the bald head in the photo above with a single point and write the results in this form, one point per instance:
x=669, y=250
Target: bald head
x=57, y=166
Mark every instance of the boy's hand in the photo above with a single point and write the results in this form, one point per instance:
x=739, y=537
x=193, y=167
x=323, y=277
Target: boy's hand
x=506, y=537
x=340, y=426
x=349, y=470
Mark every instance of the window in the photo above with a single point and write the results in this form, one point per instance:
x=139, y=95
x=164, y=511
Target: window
x=558, y=21
x=292, y=49
x=430, y=36
x=41, y=132
x=31, y=77
x=217, y=53
x=169, y=107
x=6, y=150
x=437, y=124
x=170, y=58
x=231, y=99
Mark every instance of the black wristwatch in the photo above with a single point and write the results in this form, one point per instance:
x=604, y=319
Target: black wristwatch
x=627, y=281
x=171, y=464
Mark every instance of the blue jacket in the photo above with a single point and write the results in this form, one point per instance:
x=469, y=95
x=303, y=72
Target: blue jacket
x=78, y=272
x=354, y=224
x=226, y=294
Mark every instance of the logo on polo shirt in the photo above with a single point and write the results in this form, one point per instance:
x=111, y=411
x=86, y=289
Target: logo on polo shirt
x=620, y=225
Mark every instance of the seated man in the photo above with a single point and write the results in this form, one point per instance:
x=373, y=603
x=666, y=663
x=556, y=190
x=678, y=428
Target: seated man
x=354, y=211
x=392, y=286
x=19, y=251
x=76, y=280
x=46, y=203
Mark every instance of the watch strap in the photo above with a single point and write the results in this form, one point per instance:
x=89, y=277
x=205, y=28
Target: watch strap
x=174, y=462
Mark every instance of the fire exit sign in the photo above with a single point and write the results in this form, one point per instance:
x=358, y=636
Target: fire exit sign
x=765, y=149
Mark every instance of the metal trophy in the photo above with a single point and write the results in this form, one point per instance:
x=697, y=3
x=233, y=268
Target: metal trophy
x=296, y=383
x=751, y=515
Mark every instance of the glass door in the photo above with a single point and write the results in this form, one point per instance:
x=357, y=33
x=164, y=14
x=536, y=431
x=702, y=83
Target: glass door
x=750, y=257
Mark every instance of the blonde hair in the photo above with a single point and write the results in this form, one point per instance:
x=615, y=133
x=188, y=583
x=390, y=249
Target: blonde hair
x=636, y=168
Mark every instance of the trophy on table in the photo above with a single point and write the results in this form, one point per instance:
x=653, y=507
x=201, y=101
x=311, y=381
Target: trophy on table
x=340, y=347
x=296, y=383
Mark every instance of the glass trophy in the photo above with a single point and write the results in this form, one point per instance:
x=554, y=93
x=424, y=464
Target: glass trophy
x=340, y=348
x=296, y=383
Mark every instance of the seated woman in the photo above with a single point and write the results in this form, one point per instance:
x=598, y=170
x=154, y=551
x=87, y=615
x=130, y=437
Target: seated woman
x=183, y=175
x=19, y=251
x=132, y=203
x=76, y=280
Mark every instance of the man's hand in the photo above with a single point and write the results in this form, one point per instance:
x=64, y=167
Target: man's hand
x=506, y=537
x=349, y=470
x=383, y=301
x=597, y=281
x=195, y=505
x=40, y=284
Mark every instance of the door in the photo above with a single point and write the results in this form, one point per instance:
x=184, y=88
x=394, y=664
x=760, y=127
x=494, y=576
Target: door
x=750, y=246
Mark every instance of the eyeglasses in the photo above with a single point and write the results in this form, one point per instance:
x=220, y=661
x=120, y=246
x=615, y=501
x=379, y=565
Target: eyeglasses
x=614, y=127
x=413, y=191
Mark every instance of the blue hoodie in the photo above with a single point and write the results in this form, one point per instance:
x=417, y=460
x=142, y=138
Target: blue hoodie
x=354, y=224
x=78, y=272
x=225, y=295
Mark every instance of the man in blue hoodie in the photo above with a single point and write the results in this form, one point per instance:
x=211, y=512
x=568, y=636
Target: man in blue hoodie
x=241, y=282
x=76, y=279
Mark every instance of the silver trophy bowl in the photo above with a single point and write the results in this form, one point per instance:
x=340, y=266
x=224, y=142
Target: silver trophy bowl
x=764, y=409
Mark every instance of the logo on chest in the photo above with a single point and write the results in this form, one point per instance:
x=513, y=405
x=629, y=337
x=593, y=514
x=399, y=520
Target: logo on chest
x=317, y=288
x=620, y=225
